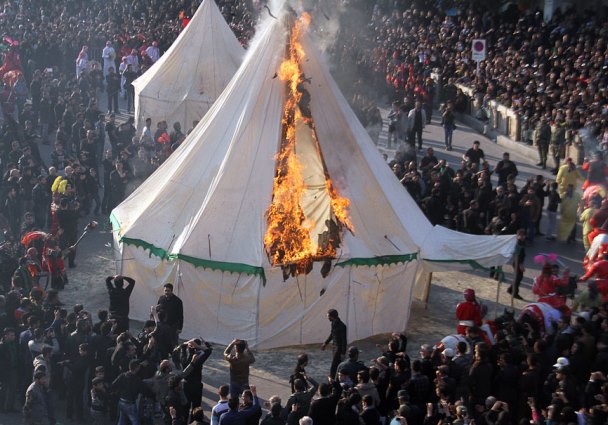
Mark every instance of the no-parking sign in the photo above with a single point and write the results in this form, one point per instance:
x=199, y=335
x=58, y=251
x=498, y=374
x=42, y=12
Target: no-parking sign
x=478, y=49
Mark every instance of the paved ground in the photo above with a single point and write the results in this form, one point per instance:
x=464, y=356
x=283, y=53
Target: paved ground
x=428, y=324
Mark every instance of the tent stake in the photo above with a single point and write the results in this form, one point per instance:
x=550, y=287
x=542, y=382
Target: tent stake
x=209, y=243
x=497, y=295
x=427, y=291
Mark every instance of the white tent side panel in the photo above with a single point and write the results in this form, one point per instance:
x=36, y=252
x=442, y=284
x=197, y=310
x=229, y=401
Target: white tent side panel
x=444, y=248
x=150, y=274
x=447, y=250
x=221, y=306
x=380, y=299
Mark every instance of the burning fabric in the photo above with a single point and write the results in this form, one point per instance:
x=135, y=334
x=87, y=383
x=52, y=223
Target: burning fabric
x=307, y=215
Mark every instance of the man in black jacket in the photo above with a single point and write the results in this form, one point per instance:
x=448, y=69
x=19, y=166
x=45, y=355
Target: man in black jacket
x=352, y=365
x=338, y=337
x=80, y=369
x=119, y=300
x=67, y=217
x=173, y=307
x=369, y=415
x=10, y=356
x=128, y=386
x=164, y=335
x=323, y=409
x=194, y=354
x=302, y=399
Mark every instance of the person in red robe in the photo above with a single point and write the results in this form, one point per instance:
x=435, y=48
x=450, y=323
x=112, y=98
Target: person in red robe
x=599, y=270
x=468, y=312
x=597, y=171
x=599, y=226
x=11, y=61
x=52, y=262
x=546, y=287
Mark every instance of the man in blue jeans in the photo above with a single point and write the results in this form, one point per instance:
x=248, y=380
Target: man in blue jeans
x=128, y=386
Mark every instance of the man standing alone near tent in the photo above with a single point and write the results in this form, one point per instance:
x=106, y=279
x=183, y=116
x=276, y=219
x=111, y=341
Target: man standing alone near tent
x=119, y=300
x=338, y=337
x=172, y=305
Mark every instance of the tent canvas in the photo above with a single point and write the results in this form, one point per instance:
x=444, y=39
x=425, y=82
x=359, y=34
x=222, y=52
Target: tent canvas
x=199, y=221
x=183, y=84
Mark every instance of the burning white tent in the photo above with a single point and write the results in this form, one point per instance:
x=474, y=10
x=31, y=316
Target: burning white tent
x=208, y=221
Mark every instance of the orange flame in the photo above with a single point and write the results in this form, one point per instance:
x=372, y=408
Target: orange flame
x=288, y=239
x=339, y=206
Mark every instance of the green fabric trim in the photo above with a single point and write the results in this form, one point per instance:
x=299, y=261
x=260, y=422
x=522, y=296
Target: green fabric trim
x=473, y=264
x=382, y=260
x=246, y=268
x=196, y=262
x=154, y=250
x=222, y=266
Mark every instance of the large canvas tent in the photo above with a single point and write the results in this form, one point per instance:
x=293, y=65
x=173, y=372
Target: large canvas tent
x=183, y=84
x=200, y=220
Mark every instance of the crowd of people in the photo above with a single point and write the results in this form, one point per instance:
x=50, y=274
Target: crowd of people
x=52, y=35
x=56, y=358
x=94, y=367
x=97, y=46
x=64, y=67
x=63, y=64
x=468, y=199
x=551, y=73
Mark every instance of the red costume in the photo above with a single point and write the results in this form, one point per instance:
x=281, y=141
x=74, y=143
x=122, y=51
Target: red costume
x=468, y=312
x=52, y=262
x=599, y=269
x=545, y=286
x=599, y=221
x=600, y=216
x=11, y=61
x=597, y=172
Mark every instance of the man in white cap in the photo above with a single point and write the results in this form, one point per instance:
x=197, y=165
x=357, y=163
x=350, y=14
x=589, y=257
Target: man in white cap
x=153, y=52
x=109, y=57
x=448, y=354
x=561, y=363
